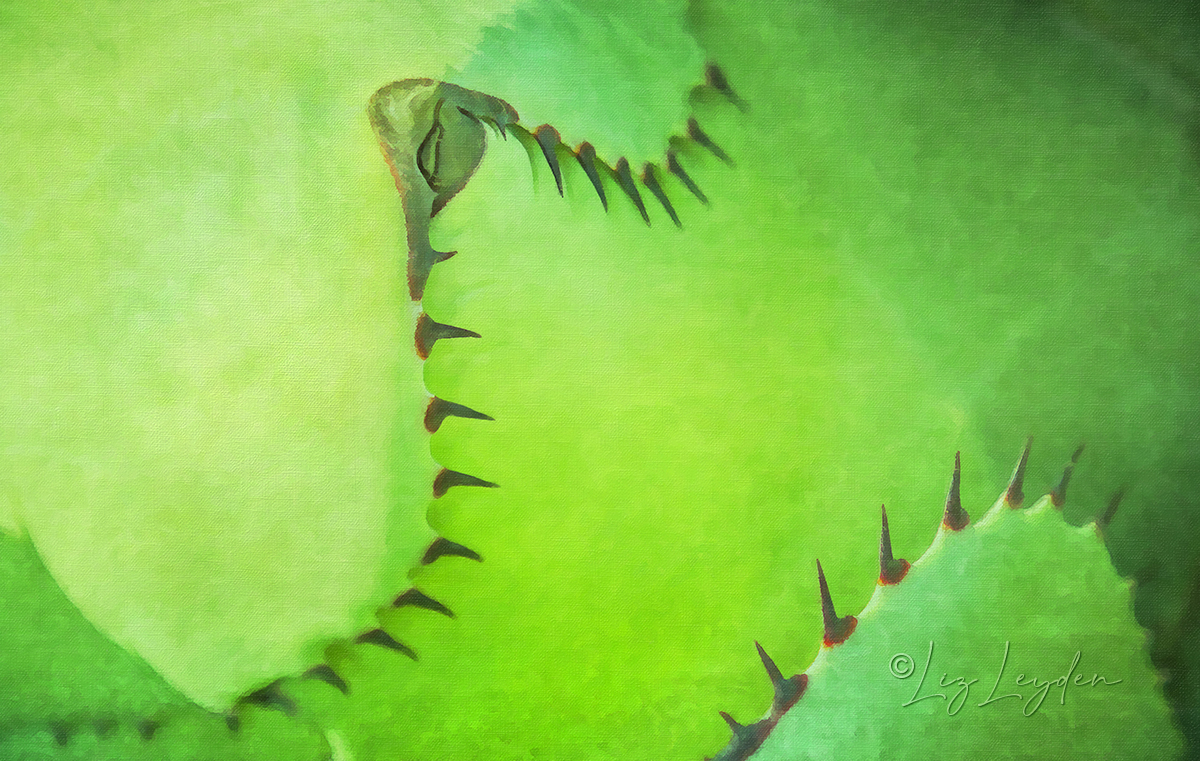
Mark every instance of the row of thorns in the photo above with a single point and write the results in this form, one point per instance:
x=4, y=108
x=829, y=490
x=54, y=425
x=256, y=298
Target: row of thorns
x=746, y=739
x=548, y=140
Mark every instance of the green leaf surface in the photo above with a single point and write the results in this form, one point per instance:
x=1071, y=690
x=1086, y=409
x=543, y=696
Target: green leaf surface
x=1011, y=639
x=614, y=73
x=946, y=227
x=832, y=302
x=69, y=692
x=210, y=416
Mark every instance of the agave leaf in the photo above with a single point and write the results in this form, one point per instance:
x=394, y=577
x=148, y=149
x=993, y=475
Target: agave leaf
x=211, y=410
x=71, y=693
x=666, y=401
x=731, y=372
x=1011, y=638
x=593, y=70
x=625, y=559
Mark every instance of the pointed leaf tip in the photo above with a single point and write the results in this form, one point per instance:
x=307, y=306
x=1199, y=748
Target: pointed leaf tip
x=418, y=599
x=430, y=331
x=382, y=639
x=786, y=691
x=773, y=671
x=650, y=180
x=1110, y=512
x=955, y=518
x=270, y=697
x=1014, y=496
x=548, y=139
x=624, y=177
x=892, y=570
x=447, y=479
x=1058, y=496
x=675, y=168
x=325, y=673
x=443, y=547
x=715, y=78
x=747, y=738
x=440, y=409
x=701, y=138
x=585, y=153
x=837, y=630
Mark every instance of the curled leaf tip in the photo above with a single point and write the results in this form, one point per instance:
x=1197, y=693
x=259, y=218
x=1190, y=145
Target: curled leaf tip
x=432, y=137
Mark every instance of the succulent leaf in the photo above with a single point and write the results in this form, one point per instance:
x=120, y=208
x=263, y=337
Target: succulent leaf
x=210, y=408
x=1011, y=638
x=869, y=271
x=621, y=657
x=70, y=693
x=612, y=73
